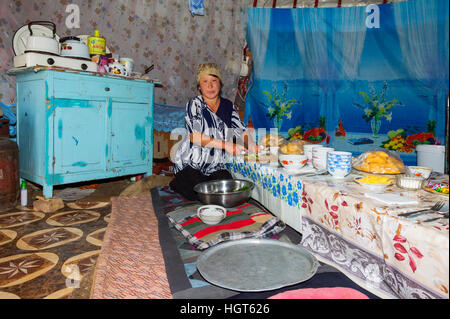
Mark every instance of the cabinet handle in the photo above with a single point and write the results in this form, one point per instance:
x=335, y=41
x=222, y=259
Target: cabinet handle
x=107, y=89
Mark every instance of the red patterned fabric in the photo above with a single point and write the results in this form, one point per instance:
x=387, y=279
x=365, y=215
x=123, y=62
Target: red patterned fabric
x=245, y=221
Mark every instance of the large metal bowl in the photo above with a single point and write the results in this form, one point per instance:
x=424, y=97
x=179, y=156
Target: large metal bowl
x=224, y=192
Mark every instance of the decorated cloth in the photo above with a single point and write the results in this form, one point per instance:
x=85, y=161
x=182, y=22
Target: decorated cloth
x=245, y=221
x=392, y=256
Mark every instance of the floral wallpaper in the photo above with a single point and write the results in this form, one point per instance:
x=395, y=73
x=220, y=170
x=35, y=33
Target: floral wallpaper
x=159, y=32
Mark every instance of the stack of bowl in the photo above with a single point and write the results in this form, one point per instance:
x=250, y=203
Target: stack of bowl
x=320, y=157
x=339, y=164
x=308, y=149
x=414, y=178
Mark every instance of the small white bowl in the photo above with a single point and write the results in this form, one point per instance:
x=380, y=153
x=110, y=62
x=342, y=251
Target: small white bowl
x=419, y=171
x=410, y=182
x=211, y=214
x=377, y=188
x=292, y=161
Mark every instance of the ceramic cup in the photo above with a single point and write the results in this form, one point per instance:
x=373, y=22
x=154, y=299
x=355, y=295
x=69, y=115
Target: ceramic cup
x=308, y=150
x=127, y=65
x=320, y=157
x=116, y=68
x=339, y=164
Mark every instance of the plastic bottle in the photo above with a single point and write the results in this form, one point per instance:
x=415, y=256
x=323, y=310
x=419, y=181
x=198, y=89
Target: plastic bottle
x=23, y=193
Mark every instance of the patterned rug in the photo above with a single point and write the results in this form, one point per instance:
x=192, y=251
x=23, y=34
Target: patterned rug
x=45, y=255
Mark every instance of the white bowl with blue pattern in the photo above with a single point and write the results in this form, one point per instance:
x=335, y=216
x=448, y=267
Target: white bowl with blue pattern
x=339, y=164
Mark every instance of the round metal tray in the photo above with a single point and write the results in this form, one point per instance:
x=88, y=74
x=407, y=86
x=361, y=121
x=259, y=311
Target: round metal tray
x=252, y=265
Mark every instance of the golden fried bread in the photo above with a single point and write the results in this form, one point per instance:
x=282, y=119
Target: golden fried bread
x=271, y=140
x=293, y=147
x=379, y=162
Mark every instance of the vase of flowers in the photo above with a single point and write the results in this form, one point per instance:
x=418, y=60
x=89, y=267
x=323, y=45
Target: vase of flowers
x=279, y=106
x=375, y=125
x=377, y=106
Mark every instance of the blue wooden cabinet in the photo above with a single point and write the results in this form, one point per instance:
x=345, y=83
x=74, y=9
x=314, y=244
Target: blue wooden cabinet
x=79, y=126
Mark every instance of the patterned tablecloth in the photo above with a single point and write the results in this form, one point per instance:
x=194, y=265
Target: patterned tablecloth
x=391, y=256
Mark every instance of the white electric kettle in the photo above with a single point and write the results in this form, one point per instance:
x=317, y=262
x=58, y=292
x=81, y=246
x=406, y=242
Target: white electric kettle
x=42, y=43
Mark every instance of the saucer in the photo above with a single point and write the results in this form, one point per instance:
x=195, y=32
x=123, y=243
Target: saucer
x=300, y=171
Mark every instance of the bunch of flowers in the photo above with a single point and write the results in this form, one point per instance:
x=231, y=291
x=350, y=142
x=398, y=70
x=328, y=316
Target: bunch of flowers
x=279, y=106
x=375, y=105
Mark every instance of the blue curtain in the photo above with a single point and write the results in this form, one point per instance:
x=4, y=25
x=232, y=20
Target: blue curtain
x=425, y=49
x=323, y=63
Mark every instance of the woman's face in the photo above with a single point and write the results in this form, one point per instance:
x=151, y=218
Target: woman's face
x=210, y=86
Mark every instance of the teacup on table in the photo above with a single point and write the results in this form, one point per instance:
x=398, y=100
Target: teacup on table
x=339, y=164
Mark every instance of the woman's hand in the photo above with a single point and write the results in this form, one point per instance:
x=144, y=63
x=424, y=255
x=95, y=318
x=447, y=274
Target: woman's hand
x=234, y=149
x=253, y=148
x=206, y=141
x=248, y=140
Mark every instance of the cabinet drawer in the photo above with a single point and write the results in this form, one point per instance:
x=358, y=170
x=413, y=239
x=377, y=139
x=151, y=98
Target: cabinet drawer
x=102, y=88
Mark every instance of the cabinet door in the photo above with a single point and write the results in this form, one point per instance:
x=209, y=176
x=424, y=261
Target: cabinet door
x=130, y=135
x=79, y=136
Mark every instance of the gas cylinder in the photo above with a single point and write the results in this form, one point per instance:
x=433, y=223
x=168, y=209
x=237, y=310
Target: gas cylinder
x=9, y=173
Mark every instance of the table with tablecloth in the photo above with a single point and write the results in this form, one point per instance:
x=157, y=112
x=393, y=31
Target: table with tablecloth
x=389, y=255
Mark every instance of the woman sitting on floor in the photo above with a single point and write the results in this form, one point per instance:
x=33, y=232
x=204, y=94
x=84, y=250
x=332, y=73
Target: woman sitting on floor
x=211, y=124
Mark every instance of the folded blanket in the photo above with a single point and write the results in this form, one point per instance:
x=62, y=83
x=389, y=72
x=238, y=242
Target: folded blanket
x=245, y=221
